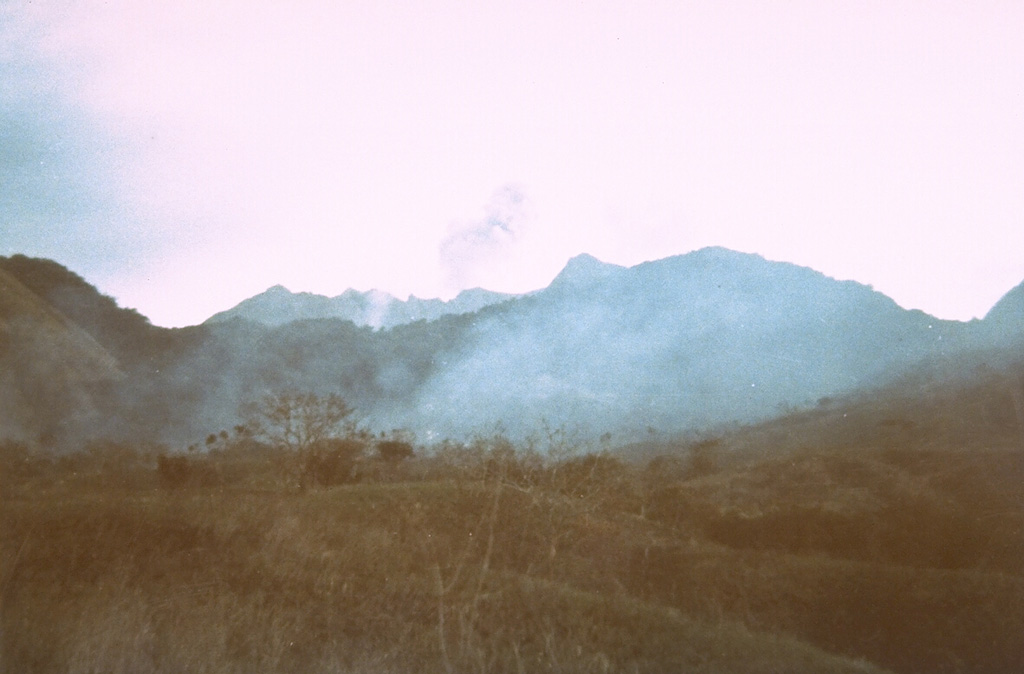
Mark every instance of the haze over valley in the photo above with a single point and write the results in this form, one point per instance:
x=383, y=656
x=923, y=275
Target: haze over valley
x=683, y=345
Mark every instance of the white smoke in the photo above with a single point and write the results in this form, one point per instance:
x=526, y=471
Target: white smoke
x=472, y=250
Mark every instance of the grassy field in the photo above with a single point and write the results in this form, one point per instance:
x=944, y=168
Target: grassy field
x=491, y=559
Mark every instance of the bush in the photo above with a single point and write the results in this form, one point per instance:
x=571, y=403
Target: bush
x=394, y=451
x=181, y=471
x=704, y=459
x=331, y=462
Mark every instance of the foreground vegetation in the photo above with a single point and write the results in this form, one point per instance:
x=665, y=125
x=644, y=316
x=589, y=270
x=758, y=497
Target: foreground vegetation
x=490, y=558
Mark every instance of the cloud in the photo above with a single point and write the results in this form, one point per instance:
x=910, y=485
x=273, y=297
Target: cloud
x=472, y=249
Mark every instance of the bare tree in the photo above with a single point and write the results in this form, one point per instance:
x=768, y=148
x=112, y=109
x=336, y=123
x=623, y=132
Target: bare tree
x=300, y=421
x=320, y=443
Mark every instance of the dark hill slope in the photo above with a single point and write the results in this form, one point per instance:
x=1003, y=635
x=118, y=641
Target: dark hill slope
x=176, y=385
x=125, y=333
x=54, y=373
x=66, y=327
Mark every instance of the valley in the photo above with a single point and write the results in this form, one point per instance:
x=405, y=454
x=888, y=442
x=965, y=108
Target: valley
x=685, y=476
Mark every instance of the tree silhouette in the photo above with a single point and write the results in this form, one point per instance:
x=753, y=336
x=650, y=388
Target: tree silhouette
x=395, y=451
x=299, y=421
x=320, y=445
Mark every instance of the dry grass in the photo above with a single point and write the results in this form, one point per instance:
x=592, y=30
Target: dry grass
x=490, y=560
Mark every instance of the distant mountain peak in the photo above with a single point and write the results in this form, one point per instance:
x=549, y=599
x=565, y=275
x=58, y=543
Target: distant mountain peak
x=585, y=259
x=278, y=290
x=585, y=269
x=721, y=251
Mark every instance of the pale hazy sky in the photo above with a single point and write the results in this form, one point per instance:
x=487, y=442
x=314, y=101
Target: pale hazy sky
x=183, y=155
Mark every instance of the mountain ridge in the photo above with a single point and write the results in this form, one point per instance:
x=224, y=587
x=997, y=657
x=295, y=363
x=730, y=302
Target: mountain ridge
x=681, y=344
x=678, y=340
x=373, y=308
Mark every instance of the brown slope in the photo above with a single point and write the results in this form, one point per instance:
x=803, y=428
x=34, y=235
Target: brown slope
x=51, y=371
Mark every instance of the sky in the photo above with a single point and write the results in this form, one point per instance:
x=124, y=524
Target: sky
x=182, y=155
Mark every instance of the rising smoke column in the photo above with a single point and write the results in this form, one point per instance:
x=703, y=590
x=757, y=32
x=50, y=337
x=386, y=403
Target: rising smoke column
x=470, y=252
